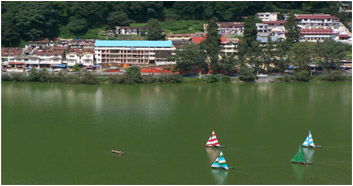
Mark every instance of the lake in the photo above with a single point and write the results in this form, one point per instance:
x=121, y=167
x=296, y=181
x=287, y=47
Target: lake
x=62, y=134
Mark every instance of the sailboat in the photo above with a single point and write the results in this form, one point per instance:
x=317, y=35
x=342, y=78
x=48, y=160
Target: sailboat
x=220, y=162
x=309, y=142
x=300, y=158
x=213, y=141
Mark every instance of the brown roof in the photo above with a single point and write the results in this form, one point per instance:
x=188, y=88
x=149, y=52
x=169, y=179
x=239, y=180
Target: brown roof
x=40, y=41
x=60, y=48
x=81, y=51
x=11, y=51
x=48, y=52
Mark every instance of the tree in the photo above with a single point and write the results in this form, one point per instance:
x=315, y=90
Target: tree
x=188, y=58
x=281, y=49
x=300, y=54
x=268, y=54
x=246, y=74
x=250, y=30
x=134, y=75
x=211, y=44
x=118, y=19
x=77, y=25
x=332, y=53
x=292, y=30
x=76, y=68
x=154, y=30
x=227, y=64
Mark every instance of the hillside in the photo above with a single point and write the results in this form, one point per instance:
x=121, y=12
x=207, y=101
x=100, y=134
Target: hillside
x=23, y=21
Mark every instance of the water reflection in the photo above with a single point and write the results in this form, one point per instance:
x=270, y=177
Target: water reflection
x=308, y=154
x=299, y=170
x=212, y=154
x=219, y=176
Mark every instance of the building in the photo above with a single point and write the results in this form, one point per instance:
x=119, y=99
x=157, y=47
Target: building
x=46, y=58
x=82, y=43
x=228, y=28
x=81, y=57
x=130, y=30
x=177, y=37
x=262, y=28
x=119, y=53
x=314, y=35
x=13, y=59
x=227, y=46
x=318, y=21
x=267, y=16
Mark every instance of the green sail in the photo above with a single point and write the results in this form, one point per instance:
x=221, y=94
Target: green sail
x=299, y=156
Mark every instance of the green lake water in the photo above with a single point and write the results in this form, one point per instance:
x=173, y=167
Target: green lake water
x=62, y=134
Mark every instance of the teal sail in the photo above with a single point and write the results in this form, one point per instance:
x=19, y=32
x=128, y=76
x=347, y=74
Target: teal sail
x=220, y=162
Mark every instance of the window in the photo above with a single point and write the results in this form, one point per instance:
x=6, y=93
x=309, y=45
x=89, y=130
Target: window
x=71, y=55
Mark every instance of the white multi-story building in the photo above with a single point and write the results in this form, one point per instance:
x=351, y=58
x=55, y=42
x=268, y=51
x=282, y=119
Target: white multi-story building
x=13, y=59
x=46, y=58
x=227, y=46
x=82, y=57
x=318, y=21
x=130, y=30
x=228, y=28
x=314, y=35
x=117, y=53
x=267, y=16
x=263, y=28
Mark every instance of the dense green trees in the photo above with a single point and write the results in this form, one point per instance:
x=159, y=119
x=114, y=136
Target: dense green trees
x=211, y=44
x=292, y=34
x=154, y=30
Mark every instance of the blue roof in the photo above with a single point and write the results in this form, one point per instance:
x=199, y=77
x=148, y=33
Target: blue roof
x=136, y=43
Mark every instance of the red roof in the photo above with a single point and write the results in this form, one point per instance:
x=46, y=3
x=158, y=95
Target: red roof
x=315, y=16
x=317, y=30
x=344, y=35
x=274, y=22
x=198, y=40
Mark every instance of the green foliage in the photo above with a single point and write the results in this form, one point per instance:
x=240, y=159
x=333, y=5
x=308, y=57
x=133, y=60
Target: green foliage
x=335, y=75
x=300, y=54
x=18, y=77
x=250, y=30
x=302, y=75
x=226, y=79
x=76, y=68
x=133, y=75
x=189, y=57
x=5, y=77
x=28, y=20
x=154, y=30
x=246, y=74
x=174, y=78
x=293, y=31
x=211, y=79
x=182, y=26
x=89, y=78
x=118, y=19
x=227, y=64
x=149, y=79
x=211, y=44
x=77, y=25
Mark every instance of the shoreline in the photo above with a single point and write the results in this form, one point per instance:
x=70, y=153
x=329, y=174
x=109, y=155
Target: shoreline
x=94, y=79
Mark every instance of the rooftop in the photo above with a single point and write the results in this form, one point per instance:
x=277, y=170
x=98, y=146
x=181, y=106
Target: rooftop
x=139, y=43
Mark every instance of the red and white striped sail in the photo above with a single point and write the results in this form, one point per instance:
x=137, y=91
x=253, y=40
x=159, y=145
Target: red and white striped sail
x=212, y=141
